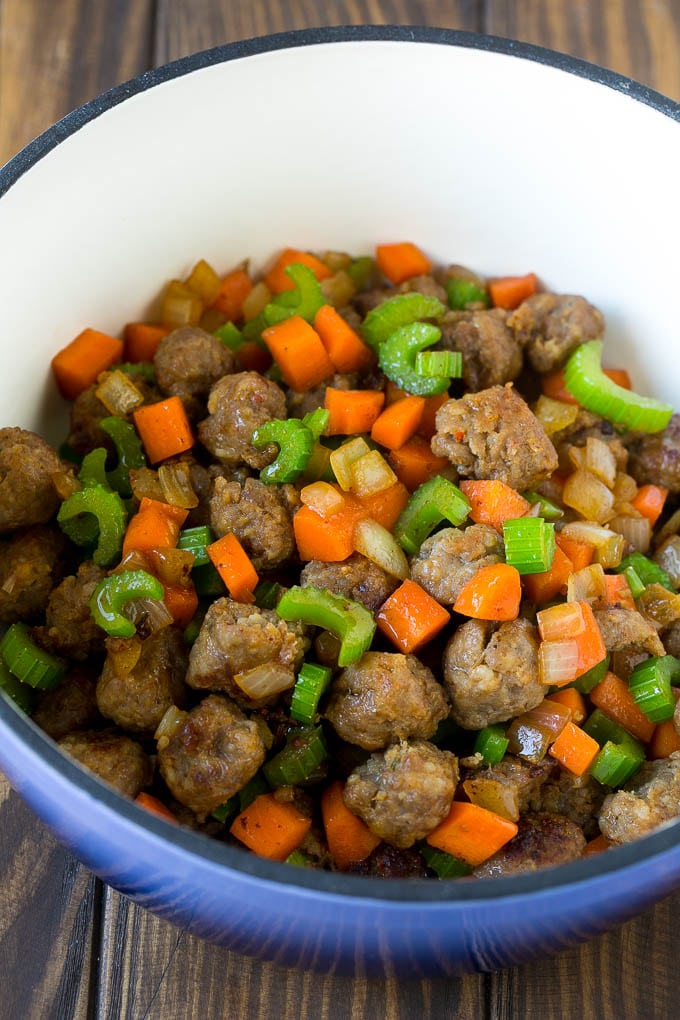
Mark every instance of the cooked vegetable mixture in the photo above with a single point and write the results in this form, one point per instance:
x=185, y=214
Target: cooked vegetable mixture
x=362, y=564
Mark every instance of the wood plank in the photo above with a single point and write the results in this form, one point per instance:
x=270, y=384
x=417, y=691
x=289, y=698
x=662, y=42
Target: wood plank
x=639, y=38
x=55, y=56
x=47, y=930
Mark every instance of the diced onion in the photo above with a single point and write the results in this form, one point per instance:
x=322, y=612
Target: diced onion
x=171, y=566
x=123, y=654
x=144, y=482
x=118, y=393
x=557, y=662
x=668, y=558
x=255, y=301
x=624, y=488
x=204, y=281
x=343, y=458
x=600, y=461
x=637, y=531
x=175, y=483
x=550, y=715
x=168, y=726
x=559, y=622
x=555, y=415
x=371, y=474
x=148, y=615
x=65, y=483
x=180, y=305
x=378, y=545
x=587, y=584
x=658, y=605
x=323, y=498
x=338, y=289
x=528, y=740
x=609, y=545
x=587, y=495
x=265, y=680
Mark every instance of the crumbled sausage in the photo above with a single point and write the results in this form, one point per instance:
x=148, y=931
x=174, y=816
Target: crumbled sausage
x=650, y=799
x=493, y=434
x=27, y=492
x=626, y=630
x=137, y=699
x=31, y=564
x=509, y=787
x=447, y=560
x=302, y=402
x=491, y=354
x=403, y=793
x=115, y=758
x=188, y=363
x=655, y=458
x=237, y=405
x=491, y=672
x=385, y=697
x=70, y=628
x=390, y=862
x=261, y=517
x=213, y=753
x=68, y=707
x=355, y=578
x=551, y=326
x=576, y=797
x=543, y=840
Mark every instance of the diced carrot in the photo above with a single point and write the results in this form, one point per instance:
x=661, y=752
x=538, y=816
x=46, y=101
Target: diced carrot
x=330, y=539
x=398, y=422
x=581, y=554
x=349, y=839
x=575, y=749
x=156, y=525
x=271, y=828
x=596, y=846
x=591, y=647
x=553, y=385
x=617, y=591
x=415, y=463
x=510, y=291
x=234, y=567
x=427, y=427
x=573, y=700
x=665, y=740
x=344, y=346
x=234, y=289
x=544, y=587
x=299, y=352
x=155, y=807
x=253, y=357
x=493, y=593
x=472, y=833
x=401, y=261
x=649, y=501
x=77, y=365
x=141, y=339
x=182, y=601
x=352, y=411
x=620, y=376
x=492, y=502
x=386, y=505
x=410, y=617
x=163, y=428
x=277, y=280
x=612, y=695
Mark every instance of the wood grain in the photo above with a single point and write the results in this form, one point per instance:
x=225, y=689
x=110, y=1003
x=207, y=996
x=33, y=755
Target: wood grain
x=75, y=950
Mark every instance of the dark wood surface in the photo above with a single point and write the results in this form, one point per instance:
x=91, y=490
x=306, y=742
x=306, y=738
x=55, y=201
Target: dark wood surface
x=70, y=948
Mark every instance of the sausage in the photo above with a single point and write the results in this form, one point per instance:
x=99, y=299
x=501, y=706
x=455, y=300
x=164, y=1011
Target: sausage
x=389, y=862
x=70, y=706
x=543, y=840
x=137, y=699
x=69, y=628
x=403, y=793
x=214, y=752
x=509, y=787
x=576, y=797
x=237, y=405
x=114, y=757
x=27, y=493
x=188, y=363
x=31, y=563
x=491, y=672
x=655, y=458
x=491, y=354
x=385, y=697
x=236, y=639
x=626, y=630
x=493, y=434
x=447, y=560
x=261, y=517
x=355, y=578
x=551, y=326
x=649, y=799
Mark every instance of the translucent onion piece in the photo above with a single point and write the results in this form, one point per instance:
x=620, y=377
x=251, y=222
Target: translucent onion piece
x=600, y=461
x=171, y=566
x=557, y=662
x=336, y=260
x=625, y=488
x=323, y=498
x=371, y=474
x=493, y=794
x=343, y=458
x=118, y=393
x=668, y=558
x=587, y=495
x=255, y=301
x=338, y=289
x=65, y=483
x=144, y=482
x=586, y=585
x=528, y=740
x=148, y=615
x=609, y=545
x=204, y=281
x=378, y=545
x=124, y=654
x=637, y=531
x=134, y=560
x=175, y=483
x=180, y=305
x=168, y=726
x=555, y=415
x=560, y=622
x=660, y=606
x=265, y=680
x=550, y=715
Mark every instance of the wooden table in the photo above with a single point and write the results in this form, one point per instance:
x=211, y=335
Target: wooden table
x=72, y=948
